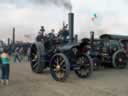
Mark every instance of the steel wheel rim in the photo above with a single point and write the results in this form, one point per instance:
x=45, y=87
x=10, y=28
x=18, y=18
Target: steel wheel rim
x=58, y=67
x=120, y=60
x=33, y=57
x=84, y=66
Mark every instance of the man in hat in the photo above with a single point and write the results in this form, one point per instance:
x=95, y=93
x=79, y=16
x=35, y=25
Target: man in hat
x=51, y=35
x=40, y=35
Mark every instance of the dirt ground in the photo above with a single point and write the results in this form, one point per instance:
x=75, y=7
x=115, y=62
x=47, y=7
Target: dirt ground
x=23, y=82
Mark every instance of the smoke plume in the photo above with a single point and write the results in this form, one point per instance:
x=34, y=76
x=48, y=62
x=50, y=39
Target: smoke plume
x=23, y=3
x=65, y=3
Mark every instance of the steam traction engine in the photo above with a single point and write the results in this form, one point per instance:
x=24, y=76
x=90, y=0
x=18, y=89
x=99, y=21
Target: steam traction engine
x=61, y=54
x=110, y=50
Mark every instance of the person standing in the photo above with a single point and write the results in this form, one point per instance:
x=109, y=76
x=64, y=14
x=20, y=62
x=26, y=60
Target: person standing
x=5, y=67
x=52, y=34
x=21, y=53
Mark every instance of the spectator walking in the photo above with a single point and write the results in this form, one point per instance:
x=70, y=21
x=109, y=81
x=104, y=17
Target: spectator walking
x=17, y=55
x=5, y=61
x=21, y=53
x=28, y=53
x=1, y=50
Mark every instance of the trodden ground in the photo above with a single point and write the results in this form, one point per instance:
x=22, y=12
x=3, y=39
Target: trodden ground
x=24, y=82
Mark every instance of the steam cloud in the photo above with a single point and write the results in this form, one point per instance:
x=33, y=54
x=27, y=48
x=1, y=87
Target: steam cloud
x=65, y=3
x=59, y=3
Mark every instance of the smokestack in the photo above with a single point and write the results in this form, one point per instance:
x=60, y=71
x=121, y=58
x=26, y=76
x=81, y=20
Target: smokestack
x=9, y=41
x=76, y=38
x=71, y=26
x=13, y=36
x=92, y=39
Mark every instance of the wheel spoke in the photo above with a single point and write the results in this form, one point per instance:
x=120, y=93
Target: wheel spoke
x=63, y=69
x=54, y=65
x=34, y=65
x=35, y=58
x=60, y=74
x=62, y=62
x=57, y=61
x=85, y=68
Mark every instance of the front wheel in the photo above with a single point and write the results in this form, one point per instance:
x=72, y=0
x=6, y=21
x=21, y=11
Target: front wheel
x=59, y=67
x=119, y=59
x=85, y=66
x=96, y=64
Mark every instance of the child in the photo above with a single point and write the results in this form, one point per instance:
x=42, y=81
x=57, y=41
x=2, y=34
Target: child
x=5, y=67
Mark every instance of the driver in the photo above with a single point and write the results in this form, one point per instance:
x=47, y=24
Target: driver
x=51, y=35
x=40, y=35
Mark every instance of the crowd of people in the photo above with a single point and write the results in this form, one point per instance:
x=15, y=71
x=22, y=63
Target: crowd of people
x=20, y=54
x=61, y=35
x=17, y=56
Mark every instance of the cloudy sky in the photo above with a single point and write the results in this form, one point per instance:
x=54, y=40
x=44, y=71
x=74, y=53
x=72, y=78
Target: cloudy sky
x=28, y=15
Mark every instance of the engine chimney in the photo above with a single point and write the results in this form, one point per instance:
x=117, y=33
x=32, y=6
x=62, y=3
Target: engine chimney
x=9, y=41
x=92, y=39
x=71, y=26
x=13, y=36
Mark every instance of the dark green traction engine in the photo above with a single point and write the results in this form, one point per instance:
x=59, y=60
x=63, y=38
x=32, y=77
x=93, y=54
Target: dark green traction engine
x=110, y=50
x=61, y=55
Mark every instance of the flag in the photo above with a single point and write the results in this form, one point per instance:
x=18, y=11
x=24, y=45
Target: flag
x=94, y=17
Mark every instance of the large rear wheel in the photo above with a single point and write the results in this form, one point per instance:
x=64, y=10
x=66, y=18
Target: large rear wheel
x=37, y=57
